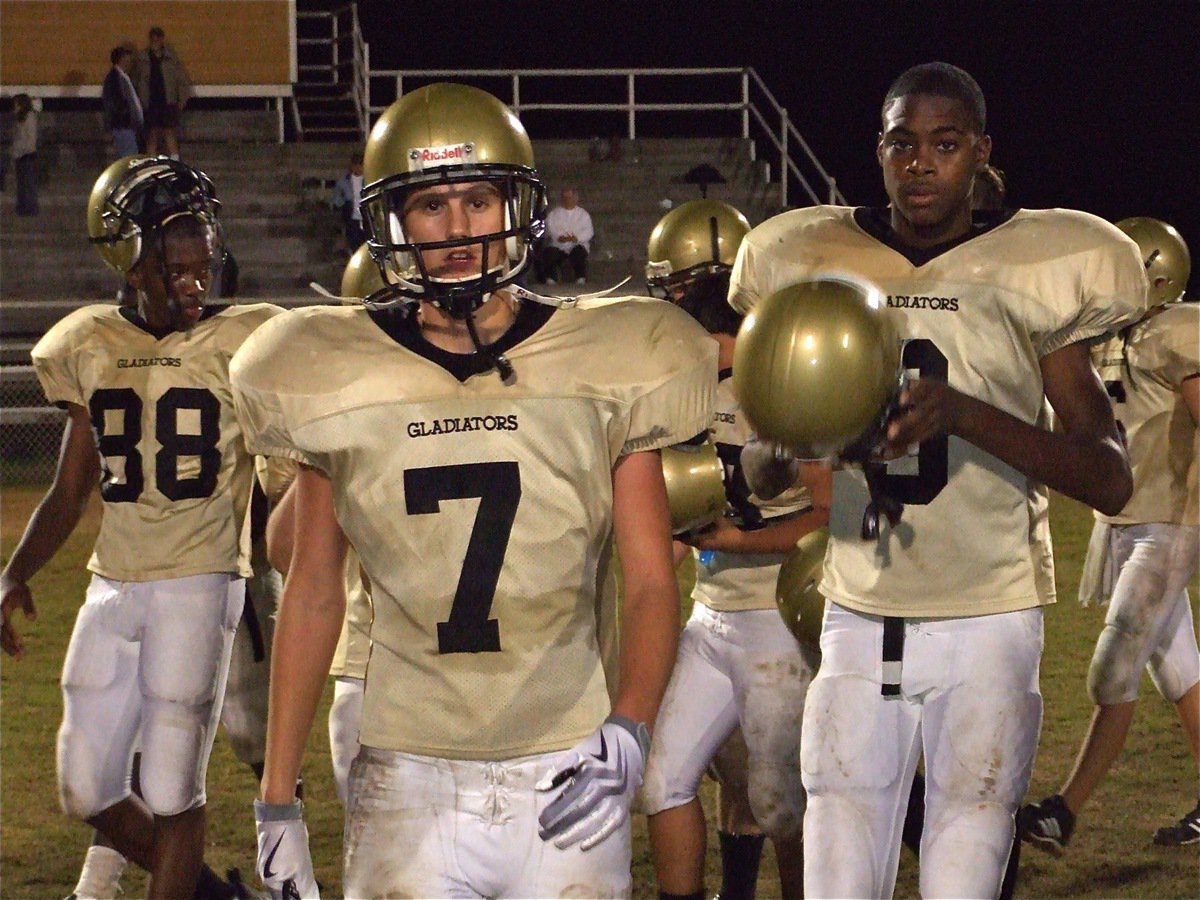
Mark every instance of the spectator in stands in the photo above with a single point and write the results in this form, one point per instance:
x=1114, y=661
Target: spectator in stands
x=346, y=194
x=164, y=90
x=24, y=154
x=564, y=252
x=122, y=108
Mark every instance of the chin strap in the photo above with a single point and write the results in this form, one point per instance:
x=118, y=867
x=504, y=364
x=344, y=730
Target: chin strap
x=498, y=361
x=523, y=293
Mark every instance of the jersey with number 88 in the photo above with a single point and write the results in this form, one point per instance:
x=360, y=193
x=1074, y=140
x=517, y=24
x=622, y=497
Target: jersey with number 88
x=175, y=475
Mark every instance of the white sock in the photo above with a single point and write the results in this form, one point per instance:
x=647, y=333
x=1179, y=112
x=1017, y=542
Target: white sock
x=101, y=875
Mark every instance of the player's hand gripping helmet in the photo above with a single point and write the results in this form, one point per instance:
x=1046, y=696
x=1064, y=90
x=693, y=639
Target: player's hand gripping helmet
x=447, y=134
x=695, y=486
x=136, y=195
x=816, y=365
x=697, y=238
x=361, y=278
x=1164, y=254
x=796, y=594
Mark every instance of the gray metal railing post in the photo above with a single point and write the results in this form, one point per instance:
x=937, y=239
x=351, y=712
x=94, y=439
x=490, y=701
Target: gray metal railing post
x=333, y=72
x=516, y=88
x=745, y=104
x=632, y=101
x=365, y=112
x=783, y=159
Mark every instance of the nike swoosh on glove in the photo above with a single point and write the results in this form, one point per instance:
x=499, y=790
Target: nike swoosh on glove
x=598, y=778
x=284, y=863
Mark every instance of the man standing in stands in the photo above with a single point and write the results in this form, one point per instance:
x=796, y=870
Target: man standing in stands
x=122, y=109
x=164, y=90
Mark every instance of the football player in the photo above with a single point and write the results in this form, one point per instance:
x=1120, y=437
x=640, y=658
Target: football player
x=476, y=449
x=360, y=279
x=933, y=633
x=146, y=389
x=738, y=665
x=1152, y=371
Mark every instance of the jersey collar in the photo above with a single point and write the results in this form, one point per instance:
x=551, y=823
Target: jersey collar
x=130, y=315
x=876, y=221
x=401, y=325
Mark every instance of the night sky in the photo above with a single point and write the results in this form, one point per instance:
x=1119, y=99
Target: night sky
x=1091, y=105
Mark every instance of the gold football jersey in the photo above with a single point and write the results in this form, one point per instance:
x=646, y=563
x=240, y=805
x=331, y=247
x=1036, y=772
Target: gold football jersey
x=276, y=474
x=175, y=473
x=480, y=511
x=354, y=643
x=981, y=312
x=732, y=582
x=1164, y=444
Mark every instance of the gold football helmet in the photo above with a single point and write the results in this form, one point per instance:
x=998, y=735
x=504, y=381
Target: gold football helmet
x=796, y=594
x=135, y=196
x=700, y=237
x=447, y=134
x=1164, y=254
x=361, y=278
x=816, y=365
x=695, y=486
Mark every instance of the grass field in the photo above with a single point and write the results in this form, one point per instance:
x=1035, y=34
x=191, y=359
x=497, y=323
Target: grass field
x=1152, y=783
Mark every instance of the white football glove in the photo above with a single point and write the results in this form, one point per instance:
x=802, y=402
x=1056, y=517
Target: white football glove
x=598, y=778
x=284, y=863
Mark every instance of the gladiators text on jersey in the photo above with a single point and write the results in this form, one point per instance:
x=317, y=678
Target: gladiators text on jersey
x=460, y=424
x=903, y=301
x=142, y=362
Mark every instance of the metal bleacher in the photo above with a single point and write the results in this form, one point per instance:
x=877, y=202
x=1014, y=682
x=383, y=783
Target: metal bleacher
x=284, y=235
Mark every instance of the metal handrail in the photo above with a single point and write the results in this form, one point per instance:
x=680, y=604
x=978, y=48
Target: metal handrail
x=780, y=137
x=788, y=128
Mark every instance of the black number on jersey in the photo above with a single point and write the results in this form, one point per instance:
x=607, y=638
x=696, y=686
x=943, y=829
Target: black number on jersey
x=498, y=487
x=166, y=430
x=129, y=404
x=933, y=470
x=1116, y=390
x=175, y=445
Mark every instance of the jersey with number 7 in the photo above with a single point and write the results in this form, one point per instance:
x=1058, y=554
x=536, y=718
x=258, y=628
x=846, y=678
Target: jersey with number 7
x=480, y=511
x=175, y=473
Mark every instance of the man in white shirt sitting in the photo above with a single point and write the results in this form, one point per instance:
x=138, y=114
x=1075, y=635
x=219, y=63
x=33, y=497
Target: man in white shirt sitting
x=568, y=239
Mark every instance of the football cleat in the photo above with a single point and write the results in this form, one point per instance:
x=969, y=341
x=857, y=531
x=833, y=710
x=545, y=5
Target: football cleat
x=241, y=890
x=1185, y=831
x=1046, y=825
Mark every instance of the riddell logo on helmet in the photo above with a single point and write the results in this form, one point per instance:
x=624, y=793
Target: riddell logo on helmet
x=420, y=157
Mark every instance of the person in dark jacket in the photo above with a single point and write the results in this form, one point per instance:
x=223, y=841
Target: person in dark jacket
x=122, y=109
